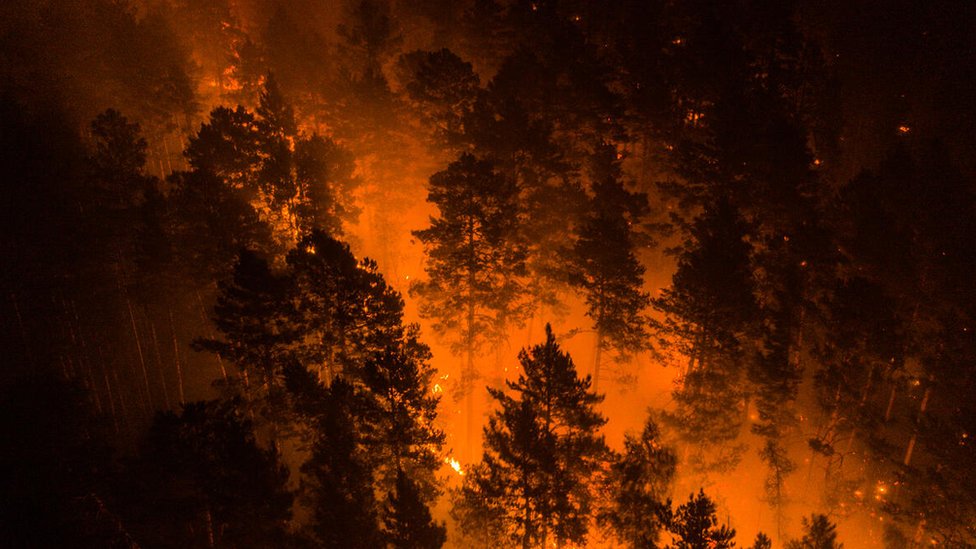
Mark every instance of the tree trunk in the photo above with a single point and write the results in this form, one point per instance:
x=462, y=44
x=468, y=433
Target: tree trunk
x=176, y=356
x=597, y=355
x=142, y=360
x=159, y=362
x=111, y=402
x=914, y=439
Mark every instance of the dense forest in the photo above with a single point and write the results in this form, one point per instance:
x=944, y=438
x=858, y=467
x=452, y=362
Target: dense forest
x=487, y=273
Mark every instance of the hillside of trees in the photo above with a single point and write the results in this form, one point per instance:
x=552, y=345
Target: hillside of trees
x=487, y=273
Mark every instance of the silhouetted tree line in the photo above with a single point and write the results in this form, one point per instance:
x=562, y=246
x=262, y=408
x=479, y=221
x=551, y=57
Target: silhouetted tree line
x=821, y=303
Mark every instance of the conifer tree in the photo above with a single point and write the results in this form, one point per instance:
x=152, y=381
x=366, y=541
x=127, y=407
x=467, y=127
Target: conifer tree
x=605, y=266
x=475, y=257
x=325, y=317
x=542, y=452
x=711, y=313
x=638, y=486
x=296, y=182
x=258, y=331
x=338, y=476
x=442, y=88
x=407, y=523
x=204, y=468
x=762, y=542
x=693, y=525
x=818, y=533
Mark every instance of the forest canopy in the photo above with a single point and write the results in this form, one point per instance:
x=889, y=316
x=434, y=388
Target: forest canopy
x=487, y=273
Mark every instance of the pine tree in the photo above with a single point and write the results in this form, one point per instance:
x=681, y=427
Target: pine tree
x=258, y=332
x=818, y=533
x=330, y=318
x=542, y=452
x=337, y=477
x=211, y=223
x=638, y=486
x=228, y=146
x=345, y=310
x=204, y=468
x=325, y=181
x=605, y=266
x=401, y=420
x=370, y=35
x=762, y=542
x=117, y=186
x=694, y=525
x=442, y=88
x=711, y=314
x=295, y=182
x=474, y=260
x=407, y=523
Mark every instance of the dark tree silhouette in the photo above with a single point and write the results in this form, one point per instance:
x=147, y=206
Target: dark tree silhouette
x=442, y=89
x=605, y=266
x=542, y=451
x=407, y=523
x=475, y=259
x=711, y=314
x=762, y=542
x=693, y=525
x=638, y=488
x=202, y=481
x=818, y=533
x=337, y=477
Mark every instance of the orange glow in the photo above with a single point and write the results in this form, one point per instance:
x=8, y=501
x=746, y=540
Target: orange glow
x=904, y=129
x=455, y=464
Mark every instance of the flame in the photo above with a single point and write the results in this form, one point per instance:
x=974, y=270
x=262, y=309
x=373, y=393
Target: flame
x=437, y=388
x=455, y=464
x=904, y=129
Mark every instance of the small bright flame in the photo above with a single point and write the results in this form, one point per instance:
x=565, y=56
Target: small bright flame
x=904, y=129
x=437, y=388
x=455, y=464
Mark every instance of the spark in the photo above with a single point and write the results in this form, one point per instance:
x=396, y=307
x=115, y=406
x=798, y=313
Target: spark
x=437, y=388
x=904, y=129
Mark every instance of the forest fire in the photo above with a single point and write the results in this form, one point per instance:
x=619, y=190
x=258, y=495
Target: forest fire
x=455, y=464
x=487, y=273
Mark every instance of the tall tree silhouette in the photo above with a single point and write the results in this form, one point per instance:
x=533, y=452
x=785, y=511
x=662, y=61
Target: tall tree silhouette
x=693, y=525
x=605, y=266
x=818, y=533
x=711, y=314
x=637, y=489
x=475, y=258
x=542, y=451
